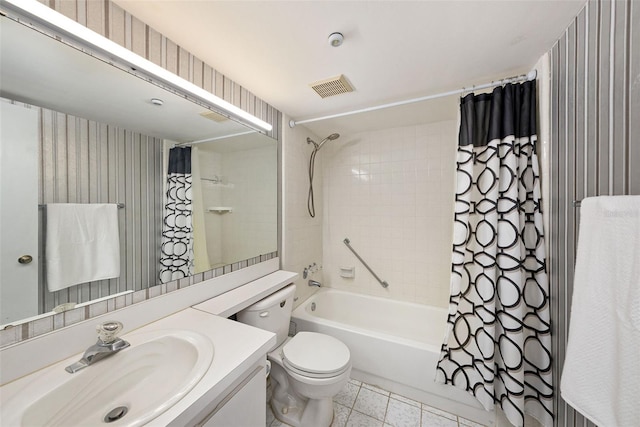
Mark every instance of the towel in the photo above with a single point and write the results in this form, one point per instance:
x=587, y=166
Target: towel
x=82, y=244
x=601, y=375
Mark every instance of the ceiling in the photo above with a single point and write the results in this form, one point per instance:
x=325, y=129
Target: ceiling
x=392, y=50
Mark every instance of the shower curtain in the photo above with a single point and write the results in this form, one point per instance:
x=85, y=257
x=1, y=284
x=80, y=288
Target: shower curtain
x=498, y=341
x=176, y=257
x=200, y=252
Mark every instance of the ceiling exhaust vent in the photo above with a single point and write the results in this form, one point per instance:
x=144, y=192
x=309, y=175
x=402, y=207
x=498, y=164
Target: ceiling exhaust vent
x=332, y=86
x=212, y=115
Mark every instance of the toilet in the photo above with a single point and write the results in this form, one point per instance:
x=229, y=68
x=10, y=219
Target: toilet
x=307, y=370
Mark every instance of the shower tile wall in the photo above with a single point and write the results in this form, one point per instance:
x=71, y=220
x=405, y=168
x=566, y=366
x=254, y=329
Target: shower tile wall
x=212, y=195
x=248, y=180
x=252, y=226
x=391, y=193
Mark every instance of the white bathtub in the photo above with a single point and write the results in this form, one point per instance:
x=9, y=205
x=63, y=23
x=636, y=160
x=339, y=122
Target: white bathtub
x=393, y=344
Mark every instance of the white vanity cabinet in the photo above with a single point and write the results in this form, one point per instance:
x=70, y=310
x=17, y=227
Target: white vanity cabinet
x=244, y=406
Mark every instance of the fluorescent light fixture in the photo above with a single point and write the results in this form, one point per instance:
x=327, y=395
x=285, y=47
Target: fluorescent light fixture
x=59, y=23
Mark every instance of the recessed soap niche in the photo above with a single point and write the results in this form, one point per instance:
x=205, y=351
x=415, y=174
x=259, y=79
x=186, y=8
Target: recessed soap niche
x=348, y=272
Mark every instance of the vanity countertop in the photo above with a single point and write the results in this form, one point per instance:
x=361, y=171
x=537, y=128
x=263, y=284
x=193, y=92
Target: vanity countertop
x=237, y=347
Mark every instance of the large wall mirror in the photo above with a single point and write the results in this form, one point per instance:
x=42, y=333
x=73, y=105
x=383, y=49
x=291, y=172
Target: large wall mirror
x=77, y=130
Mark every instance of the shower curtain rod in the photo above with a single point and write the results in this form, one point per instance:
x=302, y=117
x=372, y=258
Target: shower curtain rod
x=531, y=75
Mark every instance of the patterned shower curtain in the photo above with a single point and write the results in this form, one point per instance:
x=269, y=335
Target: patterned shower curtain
x=176, y=257
x=498, y=341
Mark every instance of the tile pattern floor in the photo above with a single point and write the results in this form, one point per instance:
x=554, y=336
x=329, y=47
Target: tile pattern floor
x=364, y=405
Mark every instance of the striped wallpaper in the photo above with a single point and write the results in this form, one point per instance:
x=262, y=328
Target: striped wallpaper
x=595, y=139
x=82, y=161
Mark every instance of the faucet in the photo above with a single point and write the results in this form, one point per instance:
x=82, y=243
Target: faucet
x=108, y=344
x=314, y=283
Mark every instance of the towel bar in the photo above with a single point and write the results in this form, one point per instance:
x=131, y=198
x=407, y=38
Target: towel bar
x=120, y=206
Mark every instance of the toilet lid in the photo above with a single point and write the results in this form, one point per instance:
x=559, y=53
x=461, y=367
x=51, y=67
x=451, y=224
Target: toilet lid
x=316, y=353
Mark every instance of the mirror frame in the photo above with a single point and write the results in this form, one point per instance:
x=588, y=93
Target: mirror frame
x=24, y=330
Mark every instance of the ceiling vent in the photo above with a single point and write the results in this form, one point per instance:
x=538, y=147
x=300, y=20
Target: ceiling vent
x=332, y=86
x=212, y=115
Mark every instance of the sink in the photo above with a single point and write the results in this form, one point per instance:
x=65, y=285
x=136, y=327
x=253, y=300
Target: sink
x=129, y=388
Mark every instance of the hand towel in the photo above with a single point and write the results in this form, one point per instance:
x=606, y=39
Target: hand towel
x=82, y=244
x=601, y=375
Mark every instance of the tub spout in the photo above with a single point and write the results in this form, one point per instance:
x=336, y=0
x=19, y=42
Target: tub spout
x=314, y=283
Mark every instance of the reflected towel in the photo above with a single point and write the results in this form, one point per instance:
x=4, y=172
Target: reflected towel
x=601, y=375
x=82, y=244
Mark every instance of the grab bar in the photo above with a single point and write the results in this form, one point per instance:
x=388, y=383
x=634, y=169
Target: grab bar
x=383, y=283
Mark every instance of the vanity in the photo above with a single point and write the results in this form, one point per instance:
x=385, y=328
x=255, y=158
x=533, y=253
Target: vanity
x=192, y=367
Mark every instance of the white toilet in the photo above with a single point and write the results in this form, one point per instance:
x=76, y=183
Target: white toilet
x=307, y=370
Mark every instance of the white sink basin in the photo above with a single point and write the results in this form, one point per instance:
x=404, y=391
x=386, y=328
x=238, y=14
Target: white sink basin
x=151, y=376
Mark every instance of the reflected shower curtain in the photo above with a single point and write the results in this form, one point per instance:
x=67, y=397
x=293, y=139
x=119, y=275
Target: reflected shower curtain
x=176, y=257
x=200, y=253
x=498, y=341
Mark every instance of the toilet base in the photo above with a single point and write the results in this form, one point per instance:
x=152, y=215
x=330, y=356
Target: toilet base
x=312, y=413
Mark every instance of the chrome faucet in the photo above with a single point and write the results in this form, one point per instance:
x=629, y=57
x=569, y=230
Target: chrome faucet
x=314, y=283
x=108, y=344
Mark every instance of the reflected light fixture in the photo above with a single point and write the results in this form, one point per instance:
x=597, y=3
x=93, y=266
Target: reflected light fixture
x=113, y=52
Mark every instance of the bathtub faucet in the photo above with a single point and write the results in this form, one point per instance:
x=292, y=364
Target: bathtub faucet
x=314, y=283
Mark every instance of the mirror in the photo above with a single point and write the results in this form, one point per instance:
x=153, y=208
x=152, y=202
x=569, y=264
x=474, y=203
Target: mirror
x=76, y=129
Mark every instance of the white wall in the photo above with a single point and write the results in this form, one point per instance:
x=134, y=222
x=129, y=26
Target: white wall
x=391, y=193
x=302, y=235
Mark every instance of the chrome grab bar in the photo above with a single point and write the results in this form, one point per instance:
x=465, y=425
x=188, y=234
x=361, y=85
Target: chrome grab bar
x=383, y=283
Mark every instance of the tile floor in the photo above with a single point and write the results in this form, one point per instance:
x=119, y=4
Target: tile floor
x=364, y=405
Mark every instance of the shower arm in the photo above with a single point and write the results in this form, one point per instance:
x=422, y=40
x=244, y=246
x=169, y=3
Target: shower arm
x=383, y=283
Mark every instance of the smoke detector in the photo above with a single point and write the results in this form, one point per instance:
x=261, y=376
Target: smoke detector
x=332, y=86
x=336, y=39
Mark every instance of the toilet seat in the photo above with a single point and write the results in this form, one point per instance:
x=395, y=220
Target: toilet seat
x=316, y=355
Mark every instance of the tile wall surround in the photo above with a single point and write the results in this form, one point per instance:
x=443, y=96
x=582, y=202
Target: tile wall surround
x=248, y=187
x=14, y=334
x=111, y=21
x=391, y=193
x=302, y=235
x=212, y=195
x=253, y=225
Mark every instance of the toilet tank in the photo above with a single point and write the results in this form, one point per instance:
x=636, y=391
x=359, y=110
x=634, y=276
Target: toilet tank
x=272, y=313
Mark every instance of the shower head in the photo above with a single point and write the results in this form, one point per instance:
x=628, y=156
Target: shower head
x=331, y=137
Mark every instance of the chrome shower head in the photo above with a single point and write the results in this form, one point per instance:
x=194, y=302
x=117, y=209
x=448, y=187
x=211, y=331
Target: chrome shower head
x=331, y=137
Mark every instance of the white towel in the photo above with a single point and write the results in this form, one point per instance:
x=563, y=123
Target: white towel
x=601, y=376
x=82, y=244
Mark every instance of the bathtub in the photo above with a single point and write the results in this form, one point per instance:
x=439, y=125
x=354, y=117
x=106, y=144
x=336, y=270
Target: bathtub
x=393, y=344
